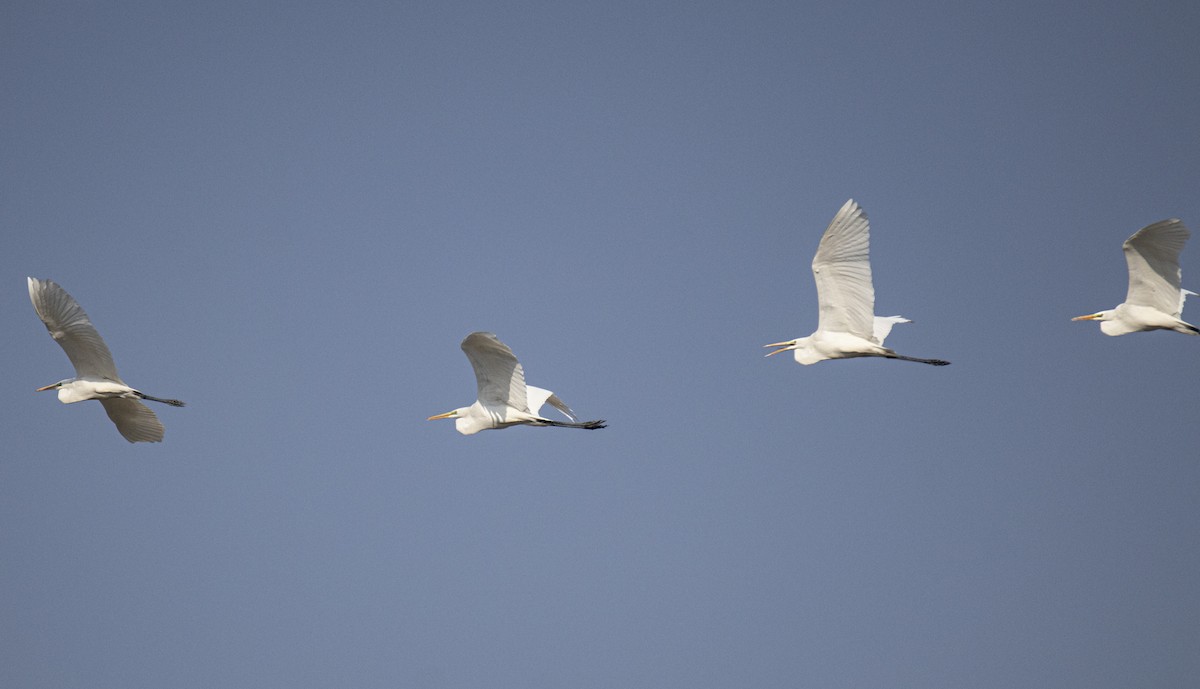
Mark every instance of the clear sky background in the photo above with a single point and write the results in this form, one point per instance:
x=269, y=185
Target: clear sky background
x=290, y=214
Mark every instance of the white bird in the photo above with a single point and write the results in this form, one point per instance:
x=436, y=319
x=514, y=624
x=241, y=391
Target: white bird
x=504, y=398
x=1154, y=300
x=95, y=373
x=847, y=326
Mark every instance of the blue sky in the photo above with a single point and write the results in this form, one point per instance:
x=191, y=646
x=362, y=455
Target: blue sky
x=289, y=215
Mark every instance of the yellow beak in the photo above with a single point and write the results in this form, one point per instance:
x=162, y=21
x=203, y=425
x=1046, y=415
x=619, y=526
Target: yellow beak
x=48, y=387
x=442, y=416
x=1089, y=317
x=784, y=346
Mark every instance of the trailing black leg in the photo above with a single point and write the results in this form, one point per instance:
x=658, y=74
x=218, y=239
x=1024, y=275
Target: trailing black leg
x=173, y=403
x=931, y=362
x=590, y=425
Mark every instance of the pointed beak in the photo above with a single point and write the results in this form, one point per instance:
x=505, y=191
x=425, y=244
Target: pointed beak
x=442, y=416
x=783, y=346
x=48, y=387
x=1089, y=317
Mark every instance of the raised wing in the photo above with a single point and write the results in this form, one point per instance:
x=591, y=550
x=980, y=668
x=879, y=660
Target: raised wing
x=883, y=326
x=1183, y=295
x=1152, y=254
x=539, y=396
x=842, y=270
x=498, y=374
x=71, y=328
x=133, y=419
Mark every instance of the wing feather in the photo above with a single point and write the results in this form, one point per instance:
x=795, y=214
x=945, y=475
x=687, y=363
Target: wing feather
x=842, y=270
x=1183, y=295
x=498, y=374
x=1152, y=254
x=133, y=419
x=540, y=396
x=71, y=328
x=883, y=326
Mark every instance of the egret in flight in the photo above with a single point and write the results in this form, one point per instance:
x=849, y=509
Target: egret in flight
x=95, y=373
x=504, y=398
x=847, y=326
x=1154, y=300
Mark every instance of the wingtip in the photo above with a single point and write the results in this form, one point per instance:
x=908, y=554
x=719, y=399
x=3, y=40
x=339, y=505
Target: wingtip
x=485, y=334
x=35, y=288
x=850, y=209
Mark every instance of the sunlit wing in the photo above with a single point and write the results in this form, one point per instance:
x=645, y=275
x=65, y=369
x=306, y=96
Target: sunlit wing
x=842, y=270
x=539, y=396
x=1183, y=295
x=499, y=375
x=1152, y=254
x=133, y=419
x=883, y=326
x=71, y=328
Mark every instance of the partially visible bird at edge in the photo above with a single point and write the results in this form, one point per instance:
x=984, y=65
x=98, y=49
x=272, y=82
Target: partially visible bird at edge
x=1155, y=299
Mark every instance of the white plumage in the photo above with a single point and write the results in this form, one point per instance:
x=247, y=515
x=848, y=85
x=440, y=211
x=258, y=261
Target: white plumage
x=1155, y=299
x=95, y=373
x=504, y=398
x=847, y=326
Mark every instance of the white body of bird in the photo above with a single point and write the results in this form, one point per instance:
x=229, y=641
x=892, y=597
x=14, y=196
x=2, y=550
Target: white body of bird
x=504, y=398
x=1154, y=300
x=847, y=327
x=824, y=344
x=95, y=373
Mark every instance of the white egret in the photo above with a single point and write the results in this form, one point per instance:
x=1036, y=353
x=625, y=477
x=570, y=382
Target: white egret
x=847, y=326
x=504, y=398
x=1154, y=300
x=95, y=373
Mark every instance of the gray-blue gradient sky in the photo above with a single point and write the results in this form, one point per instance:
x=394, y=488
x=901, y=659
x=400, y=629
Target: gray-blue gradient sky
x=289, y=215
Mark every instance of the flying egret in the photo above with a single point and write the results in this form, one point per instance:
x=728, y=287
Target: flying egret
x=847, y=326
x=504, y=398
x=95, y=373
x=1154, y=300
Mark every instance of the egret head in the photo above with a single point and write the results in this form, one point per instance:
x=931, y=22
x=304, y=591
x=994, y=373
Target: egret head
x=803, y=350
x=68, y=391
x=467, y=420
x=1111, y=322
x=460, y=419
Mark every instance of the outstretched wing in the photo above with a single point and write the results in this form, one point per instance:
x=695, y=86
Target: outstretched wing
x=71, y=328
x=498, y=374
x=1152, y=254
x=842, y=270
x=539, y=396
x=134, y=420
